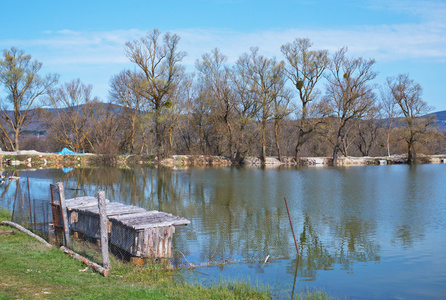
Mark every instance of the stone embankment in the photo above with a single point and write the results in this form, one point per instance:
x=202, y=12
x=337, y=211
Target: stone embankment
x=344, y=161
x=195, y=160
x=33, y=159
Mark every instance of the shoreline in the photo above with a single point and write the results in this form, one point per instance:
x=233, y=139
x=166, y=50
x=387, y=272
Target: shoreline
x=32, y=159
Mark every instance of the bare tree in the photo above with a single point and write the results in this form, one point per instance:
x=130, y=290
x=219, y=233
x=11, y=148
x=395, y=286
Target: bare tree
x=266, y=81
x=198, y=130
x=158, y=73
x=122, y=92
x=105, y=128
x=24, y=87
x=174, y=108
x=407, y=95
x=305, y=68
x=69, y=124
x=282, y=109
x=349, y=94
x=216, y=76
x=245, y=107
x=369, y=130
x=389, y=109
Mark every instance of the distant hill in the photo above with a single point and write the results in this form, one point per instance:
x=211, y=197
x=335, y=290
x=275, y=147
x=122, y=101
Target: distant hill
x=441, y=117
x=39, y=128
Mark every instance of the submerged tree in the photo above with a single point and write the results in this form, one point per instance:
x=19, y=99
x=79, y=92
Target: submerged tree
x=407, y=95
x=24, y=87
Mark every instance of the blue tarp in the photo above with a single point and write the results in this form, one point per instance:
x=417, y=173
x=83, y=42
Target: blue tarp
x=67, y=170
x=66, y=151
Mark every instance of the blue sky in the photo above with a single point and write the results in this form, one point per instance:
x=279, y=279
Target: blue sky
x=84, y=39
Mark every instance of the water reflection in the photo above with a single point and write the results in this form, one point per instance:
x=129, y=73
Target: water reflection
x=344, y=218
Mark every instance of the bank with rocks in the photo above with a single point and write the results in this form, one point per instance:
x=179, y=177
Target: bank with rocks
x=343, y=161
x=34, y=159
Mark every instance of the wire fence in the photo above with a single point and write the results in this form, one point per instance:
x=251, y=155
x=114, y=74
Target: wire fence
x=44, y=218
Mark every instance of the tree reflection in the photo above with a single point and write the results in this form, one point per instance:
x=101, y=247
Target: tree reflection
x=238, y=214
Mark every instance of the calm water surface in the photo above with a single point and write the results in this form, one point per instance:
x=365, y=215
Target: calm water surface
x=375, y=232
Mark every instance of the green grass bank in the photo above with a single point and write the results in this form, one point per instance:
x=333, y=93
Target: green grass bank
x=29, y=270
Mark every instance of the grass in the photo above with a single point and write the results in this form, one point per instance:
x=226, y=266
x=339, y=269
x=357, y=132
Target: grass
x=29, y=270
x=4, y=214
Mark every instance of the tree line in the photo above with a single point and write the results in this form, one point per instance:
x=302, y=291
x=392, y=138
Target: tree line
x=307, y=103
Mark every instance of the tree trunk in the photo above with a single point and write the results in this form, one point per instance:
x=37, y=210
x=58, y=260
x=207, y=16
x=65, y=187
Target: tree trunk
x=231, y=143
x=298, y=145
x=411, y=151
x=16, y=139
x=335, y=155
x=300, y=133
x=132, y=136
x=345, y=145
x=170, y=149
x=263, y=155
x=388, y=144
x=276, y=137
x=158, y=142
x=336, y=149
x=239, y=155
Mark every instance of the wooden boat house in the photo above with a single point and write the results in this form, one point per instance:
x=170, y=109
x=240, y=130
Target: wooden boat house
x=141, y=233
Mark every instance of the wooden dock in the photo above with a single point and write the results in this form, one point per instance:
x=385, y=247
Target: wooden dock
x=132, y=229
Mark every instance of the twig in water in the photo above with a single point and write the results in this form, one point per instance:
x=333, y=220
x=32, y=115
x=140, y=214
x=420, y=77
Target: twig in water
x=266, y=260
x=187, y=260
x=200, y=272
x=212, y=256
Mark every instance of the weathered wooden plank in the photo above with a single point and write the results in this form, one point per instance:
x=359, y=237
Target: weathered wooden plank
x=134, y=215
x=156, y=225
x=82, y=201
x=161, y=219
x=149, y=218
x=113, y=208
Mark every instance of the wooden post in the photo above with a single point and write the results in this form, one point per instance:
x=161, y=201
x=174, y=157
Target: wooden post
x=104, y=229
x=63, y=211
x=291, y=224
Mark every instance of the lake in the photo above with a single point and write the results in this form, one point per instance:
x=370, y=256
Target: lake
x=372, y=232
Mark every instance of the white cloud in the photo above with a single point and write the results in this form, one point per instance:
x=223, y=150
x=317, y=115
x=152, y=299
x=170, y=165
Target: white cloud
x=82, y=54
x=384, y=42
